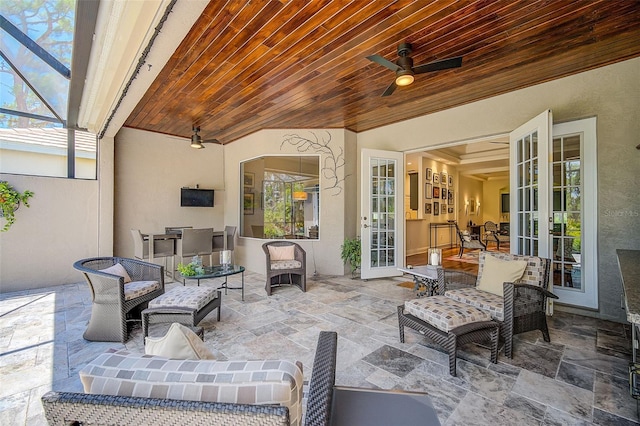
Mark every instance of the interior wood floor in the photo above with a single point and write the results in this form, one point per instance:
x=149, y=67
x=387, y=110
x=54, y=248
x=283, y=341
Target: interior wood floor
x=421, y=259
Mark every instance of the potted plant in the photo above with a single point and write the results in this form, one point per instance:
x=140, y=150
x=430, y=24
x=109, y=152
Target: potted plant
x=10, y=200
x=352, y=253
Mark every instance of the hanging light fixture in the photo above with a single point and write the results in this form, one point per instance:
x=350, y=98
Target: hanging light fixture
x=299, y=195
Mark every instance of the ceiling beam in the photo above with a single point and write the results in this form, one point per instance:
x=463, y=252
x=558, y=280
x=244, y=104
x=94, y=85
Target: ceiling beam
x=86, y=17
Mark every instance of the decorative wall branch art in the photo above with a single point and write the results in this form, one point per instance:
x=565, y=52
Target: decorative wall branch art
x=332, y=160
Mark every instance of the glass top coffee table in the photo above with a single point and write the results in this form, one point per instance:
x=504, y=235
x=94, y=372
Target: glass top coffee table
x=219, y=271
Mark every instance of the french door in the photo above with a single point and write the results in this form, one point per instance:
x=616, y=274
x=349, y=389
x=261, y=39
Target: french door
x=381, y=223
x=529, y=203
x=573, y=206
x=553, y=203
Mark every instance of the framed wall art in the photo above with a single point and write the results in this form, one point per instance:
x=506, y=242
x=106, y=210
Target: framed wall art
x=450, y=210
x=436, y=208
x=428, y=190
x=436, y=178
x=450, y=192
x=444, y=209
x=443, y=192
x=427, y=208
x=427, y=174
x=443, y=178
x=249, y=203
x=450, y=180
x=436, y=192
x=248, y=179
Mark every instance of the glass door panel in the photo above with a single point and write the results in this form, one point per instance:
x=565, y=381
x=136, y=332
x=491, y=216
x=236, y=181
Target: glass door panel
x=382, y=241
x=567, y=216
x=529, y=147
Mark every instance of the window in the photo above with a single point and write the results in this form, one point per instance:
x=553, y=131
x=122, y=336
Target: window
x=280, y=197
x=35, y=80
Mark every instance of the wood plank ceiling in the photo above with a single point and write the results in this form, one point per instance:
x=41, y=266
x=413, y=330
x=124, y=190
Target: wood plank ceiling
x=246, y=66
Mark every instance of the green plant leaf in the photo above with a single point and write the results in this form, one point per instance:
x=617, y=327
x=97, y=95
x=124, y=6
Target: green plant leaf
x=351, y=252
x=10, y=200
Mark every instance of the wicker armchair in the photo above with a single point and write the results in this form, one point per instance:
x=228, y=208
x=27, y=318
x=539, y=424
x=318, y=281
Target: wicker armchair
x=523, y=306
x=115, y=302
x=290, y=271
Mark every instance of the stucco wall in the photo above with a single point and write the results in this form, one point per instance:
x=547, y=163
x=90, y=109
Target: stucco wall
x=491, y=191
x=149, y=171
x=323, y=255
x=59, y=227
x=611, y=94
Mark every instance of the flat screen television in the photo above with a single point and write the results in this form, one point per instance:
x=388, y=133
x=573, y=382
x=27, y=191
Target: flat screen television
x=191, y=197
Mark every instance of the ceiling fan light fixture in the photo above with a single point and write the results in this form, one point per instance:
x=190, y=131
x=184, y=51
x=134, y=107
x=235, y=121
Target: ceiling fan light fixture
x=196, y=142
x=404, y=78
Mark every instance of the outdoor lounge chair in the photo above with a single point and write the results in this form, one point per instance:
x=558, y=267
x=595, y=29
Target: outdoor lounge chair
x=118, y=297
x=523, y=304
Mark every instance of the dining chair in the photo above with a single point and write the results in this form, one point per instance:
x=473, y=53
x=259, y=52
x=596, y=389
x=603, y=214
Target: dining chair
x=226, y=241
x=164, y=248
x=257, y=231
x=175, y=229
x=195, y=242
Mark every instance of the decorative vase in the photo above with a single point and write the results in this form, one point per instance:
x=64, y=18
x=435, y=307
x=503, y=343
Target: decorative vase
x=225, y=258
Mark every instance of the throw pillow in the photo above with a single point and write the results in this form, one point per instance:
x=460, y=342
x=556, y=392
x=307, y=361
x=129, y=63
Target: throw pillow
x=118, y=270
x=282, y=252
x=179, y=343
x=497, y=271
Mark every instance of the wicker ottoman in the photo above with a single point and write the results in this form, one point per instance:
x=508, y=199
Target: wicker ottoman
x=449, y=323
x=184, y=305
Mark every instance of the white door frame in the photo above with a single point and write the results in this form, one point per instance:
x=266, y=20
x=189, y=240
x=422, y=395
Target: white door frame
x=378, y=227
x=587, y=295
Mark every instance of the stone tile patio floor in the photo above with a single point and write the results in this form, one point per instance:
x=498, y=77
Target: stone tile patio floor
x=580, y=378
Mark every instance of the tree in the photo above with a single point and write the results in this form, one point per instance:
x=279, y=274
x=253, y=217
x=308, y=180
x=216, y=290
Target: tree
x=50, y=24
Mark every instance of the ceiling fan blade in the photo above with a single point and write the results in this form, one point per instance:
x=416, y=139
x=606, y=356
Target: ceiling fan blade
x=211, y=141
x=439, y=65
x=384, y=62
x=390, y=89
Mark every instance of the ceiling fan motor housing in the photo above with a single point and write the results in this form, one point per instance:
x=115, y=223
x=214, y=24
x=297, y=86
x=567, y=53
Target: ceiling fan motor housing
x=405, y=62
x=404, y=49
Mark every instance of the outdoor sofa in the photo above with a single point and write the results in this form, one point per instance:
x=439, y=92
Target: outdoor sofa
x=64, y=408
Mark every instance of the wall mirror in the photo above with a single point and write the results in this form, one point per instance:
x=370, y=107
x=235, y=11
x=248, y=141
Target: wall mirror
x=280, y=197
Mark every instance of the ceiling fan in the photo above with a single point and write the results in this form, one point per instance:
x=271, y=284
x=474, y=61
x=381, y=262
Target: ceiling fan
x=405, y=70
x=197, y=141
